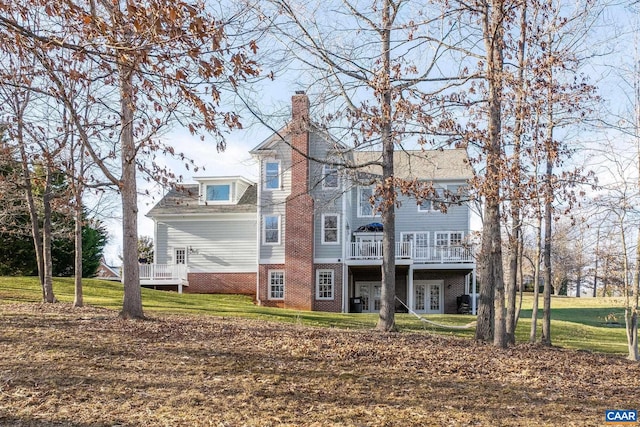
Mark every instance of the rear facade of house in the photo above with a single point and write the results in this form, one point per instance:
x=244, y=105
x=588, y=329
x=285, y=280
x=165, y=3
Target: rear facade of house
x=307, y=235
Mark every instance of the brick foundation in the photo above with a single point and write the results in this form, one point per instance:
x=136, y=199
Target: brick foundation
x=221, y=283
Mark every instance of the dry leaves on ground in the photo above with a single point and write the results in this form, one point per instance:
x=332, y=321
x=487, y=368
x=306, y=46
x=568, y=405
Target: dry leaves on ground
x=85, y=367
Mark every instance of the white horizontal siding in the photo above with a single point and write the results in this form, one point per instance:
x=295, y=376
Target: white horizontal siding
x=216, y=246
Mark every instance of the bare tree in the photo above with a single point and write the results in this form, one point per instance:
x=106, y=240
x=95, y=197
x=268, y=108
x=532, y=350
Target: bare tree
x=164, y=63
x=383, y=89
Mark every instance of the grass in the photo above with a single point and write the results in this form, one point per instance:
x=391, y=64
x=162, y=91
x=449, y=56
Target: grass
x=578, y=323
x=203, y=360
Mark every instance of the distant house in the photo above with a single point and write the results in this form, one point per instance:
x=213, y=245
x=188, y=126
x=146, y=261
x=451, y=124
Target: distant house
x=107, y=272
x=307, y=237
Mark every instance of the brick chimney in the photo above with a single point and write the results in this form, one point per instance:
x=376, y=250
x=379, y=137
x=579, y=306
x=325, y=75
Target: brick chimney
x=300, y=283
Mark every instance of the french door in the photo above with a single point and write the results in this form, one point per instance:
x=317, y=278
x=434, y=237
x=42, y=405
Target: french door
x=428, y=296
x=369, y=293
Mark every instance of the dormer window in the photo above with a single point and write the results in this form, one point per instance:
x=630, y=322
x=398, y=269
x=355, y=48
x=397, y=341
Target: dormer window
x=219, y=193
x=272, y=175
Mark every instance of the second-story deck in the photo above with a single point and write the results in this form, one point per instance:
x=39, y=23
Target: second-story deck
x=463, y=254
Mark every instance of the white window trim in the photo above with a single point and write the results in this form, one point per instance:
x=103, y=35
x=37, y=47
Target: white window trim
x=324, y=242
x=333, y=285
x=264, y=177
x=373, y=213
x=324, y=177
x=264, y=230
x=284, y=285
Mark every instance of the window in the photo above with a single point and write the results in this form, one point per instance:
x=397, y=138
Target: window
x=419, y=241
x=419, y=297
x=276, y=284
x=364, y=202
x=181, y=255
x=218, y=193
x=330, y=176
x=271, y=233
x=442, y=239
x=272, y=175
x=452, y=238
x=425, y=206
x=431, y=204
x=330, y=229
x=455, y=239
x=324, y=284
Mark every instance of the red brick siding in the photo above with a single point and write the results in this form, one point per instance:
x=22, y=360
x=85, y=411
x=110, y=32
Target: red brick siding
x=334, y=305
x=299, y=272
x=221, y=283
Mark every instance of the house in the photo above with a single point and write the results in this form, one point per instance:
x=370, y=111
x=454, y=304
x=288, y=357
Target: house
x=307, y=236
x=106, y=271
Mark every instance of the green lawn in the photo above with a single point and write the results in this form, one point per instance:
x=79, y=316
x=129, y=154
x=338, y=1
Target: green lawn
x=576, y=322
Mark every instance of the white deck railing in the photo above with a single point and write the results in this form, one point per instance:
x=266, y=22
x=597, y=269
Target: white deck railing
x=163, y=272
x=406, y=250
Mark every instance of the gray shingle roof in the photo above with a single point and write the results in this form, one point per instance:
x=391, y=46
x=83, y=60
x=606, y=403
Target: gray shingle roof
x=184, y=201
x=424, y=165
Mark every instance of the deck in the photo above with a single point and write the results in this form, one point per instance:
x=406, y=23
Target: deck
x=415, y=254
x=164, y=275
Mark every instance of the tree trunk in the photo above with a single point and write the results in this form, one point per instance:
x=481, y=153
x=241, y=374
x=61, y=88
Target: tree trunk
x=47, y=239
x=631, y=323
x=546, y=314
x=28, y=191
x=548, y=207
x=536, y=281
x=492, y=285
x=605, y=281
x=386, y=320
x=633, y=301
x=595, y=268
x=132, y=302
x=516, y=194
x=78, y=298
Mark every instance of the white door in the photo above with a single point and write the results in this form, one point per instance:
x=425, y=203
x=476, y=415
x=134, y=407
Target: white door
x=369, y=293
x=428, y=296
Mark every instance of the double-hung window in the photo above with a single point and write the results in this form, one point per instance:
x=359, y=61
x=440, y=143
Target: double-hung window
x=365, y=208
x=272, y=175
x=330, y=230
x=329, y=176
x=271, y=230
x=324, y=284
x=276, y=284
x=431, y=204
